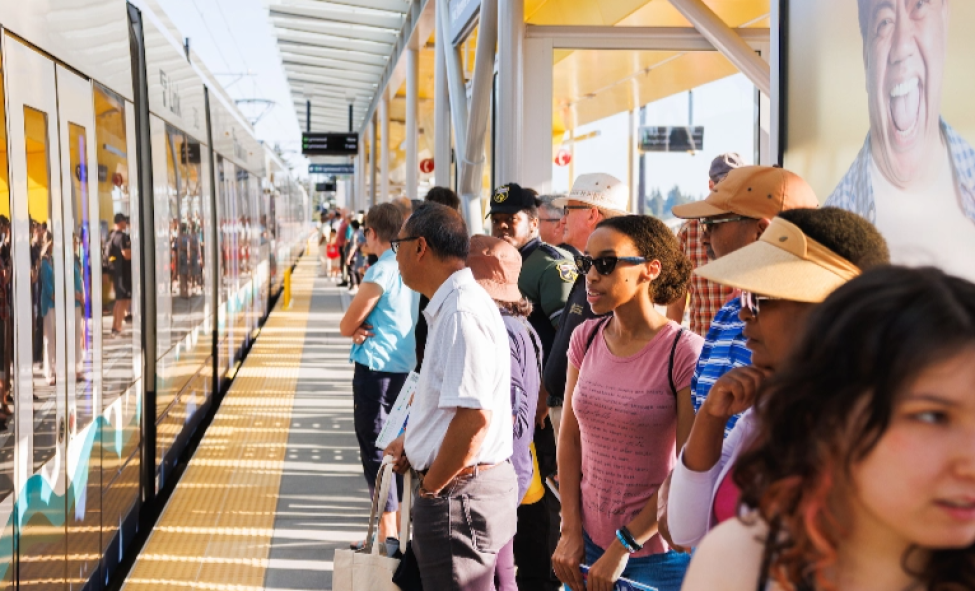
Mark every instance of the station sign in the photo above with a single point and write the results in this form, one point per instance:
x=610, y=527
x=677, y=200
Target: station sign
x=671, y=139
x=463, y=14
x=329, y=144
x=325, y=187
x=332, y=169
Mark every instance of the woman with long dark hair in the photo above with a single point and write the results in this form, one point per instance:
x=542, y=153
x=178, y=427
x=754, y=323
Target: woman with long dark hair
x=862, y=471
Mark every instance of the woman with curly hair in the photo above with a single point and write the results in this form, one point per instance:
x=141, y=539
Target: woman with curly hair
x=627, y=410
x=862, y=471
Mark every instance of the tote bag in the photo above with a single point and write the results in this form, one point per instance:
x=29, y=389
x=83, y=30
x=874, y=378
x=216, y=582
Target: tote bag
x=369, y=569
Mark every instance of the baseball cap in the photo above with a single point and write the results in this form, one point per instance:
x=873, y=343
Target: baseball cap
x=723, y=164
x=495, y=265
x=784, y=263
x=759, y=192
x=511, y=198
x=599, y=190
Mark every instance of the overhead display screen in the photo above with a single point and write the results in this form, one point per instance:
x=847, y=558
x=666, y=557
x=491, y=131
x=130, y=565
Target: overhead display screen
x=329, y=144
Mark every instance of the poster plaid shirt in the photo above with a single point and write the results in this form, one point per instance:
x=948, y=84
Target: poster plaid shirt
x=855, y=191
x=706, y=297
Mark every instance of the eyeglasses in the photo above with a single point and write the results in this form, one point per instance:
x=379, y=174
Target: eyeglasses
x=752, y=302
x=394, y=243
x=567, y=208
x=555, y=220
x=604, y=265
x=709, y=224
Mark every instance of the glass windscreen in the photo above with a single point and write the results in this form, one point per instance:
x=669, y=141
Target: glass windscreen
x=80, y=331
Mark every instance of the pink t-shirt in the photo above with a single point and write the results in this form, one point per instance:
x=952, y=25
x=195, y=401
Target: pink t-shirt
x=627, y=418
x=726, y=499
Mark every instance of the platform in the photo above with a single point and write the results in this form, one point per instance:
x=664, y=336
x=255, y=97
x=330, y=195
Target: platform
x=275, y=484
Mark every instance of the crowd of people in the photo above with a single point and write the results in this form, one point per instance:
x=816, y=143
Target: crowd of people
x=600, y=399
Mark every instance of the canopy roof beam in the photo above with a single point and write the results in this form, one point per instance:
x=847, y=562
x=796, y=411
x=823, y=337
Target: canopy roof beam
x=639, y=38
x=378, y=20
x=332, y=42
x=317, y=51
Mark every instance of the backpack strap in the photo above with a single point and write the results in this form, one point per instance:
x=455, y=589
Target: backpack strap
x=595, y=331
x=670, y=366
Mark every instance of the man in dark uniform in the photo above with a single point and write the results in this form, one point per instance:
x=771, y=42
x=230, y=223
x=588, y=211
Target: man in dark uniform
x=546, y=278
x=594, y=198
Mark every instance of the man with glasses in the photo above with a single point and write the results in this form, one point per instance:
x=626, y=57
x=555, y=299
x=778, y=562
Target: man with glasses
x=593, y=198
x=550, y=223
x=704, y=297
x=734, y=215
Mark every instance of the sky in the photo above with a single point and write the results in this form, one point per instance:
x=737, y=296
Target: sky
x=235, y=40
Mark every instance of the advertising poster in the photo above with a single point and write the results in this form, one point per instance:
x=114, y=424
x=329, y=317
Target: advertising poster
x=878, y=113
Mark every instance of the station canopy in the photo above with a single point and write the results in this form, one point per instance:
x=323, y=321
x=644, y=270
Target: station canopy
x=335, y=53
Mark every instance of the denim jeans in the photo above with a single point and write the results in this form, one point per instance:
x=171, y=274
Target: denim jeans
x=665, y=572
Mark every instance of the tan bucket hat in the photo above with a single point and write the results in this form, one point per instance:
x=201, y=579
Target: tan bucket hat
x=759, y=192
x=598, y=189
x=495, y=265
x=785, y=264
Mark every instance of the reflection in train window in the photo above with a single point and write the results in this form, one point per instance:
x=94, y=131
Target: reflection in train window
x=42, y=274
x=7, y=438
x=82, y=411
x=118, y=284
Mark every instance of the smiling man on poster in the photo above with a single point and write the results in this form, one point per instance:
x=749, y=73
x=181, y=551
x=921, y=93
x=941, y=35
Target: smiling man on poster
x=915, y=176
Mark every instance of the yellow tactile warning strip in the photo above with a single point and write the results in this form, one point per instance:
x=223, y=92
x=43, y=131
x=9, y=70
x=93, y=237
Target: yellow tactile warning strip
x=215, y=532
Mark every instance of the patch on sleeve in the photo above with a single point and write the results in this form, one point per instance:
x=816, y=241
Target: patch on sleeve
x=568, y=272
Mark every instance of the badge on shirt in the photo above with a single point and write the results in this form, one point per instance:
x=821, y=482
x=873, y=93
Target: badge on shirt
x=568, y=272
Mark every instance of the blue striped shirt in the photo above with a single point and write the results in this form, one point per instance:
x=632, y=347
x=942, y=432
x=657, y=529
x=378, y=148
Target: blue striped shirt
x=724, y=349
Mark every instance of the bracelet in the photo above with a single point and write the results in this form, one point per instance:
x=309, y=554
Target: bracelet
x=629, y=542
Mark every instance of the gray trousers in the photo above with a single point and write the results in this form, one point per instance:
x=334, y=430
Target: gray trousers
x=456, y=537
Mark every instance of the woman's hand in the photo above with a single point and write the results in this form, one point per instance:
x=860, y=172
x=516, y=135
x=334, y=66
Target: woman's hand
x=608, y=569
x=568, y=555
x=734, y=392
x=362, y=333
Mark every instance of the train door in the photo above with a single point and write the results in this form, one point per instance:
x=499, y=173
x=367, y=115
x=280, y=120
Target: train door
x=82, y=303
x=38, y=256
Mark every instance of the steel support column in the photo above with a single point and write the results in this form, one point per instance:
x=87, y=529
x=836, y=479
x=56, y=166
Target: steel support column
x=727, y=42
x=455, y=81
x=472, y=164
x=384, y=148
x=412, y=129
x=441, y=114
x=511, y=39
x=373, y=153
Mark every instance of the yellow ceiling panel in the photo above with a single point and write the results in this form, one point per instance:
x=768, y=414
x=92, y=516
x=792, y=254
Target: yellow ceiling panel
x=600, y=83
x=579, y=12
x=660, y=13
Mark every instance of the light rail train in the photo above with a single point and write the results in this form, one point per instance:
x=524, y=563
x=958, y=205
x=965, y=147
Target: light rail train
x=144, y=232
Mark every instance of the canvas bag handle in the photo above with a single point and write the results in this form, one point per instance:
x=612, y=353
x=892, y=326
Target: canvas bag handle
x=380, y=495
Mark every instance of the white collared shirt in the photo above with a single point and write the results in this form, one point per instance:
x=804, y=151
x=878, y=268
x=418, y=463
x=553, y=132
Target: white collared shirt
x=466, y=364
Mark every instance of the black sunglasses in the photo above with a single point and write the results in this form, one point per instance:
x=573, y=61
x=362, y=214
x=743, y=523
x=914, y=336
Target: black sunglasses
x=394, y=243
x=604, y=265
x=753, y=302
x=708, y=224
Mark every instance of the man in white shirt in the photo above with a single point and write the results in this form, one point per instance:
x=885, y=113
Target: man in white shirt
x=459, y=436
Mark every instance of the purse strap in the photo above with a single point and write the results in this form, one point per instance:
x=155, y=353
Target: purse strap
x=379, y=496
x=670, y=366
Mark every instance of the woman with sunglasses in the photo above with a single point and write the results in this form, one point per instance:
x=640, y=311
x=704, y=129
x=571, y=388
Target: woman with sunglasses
x=863, y=465
x=802, y=257
x=627, y=409
x=380, y=320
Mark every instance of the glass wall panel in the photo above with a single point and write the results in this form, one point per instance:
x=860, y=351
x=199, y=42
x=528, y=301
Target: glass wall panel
x=43, y=273
x=81, y=291
x=120, y=340
x=7, y=439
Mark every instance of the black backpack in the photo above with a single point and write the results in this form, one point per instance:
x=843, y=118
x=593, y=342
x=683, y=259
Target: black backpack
x=108, y=261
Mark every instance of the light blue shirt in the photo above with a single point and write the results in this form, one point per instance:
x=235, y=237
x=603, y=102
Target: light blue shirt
x=392, y=348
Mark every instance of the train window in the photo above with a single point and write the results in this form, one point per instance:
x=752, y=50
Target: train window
x=116, y=245
x=44, y=324
x=7, y=438
x=81, y=292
